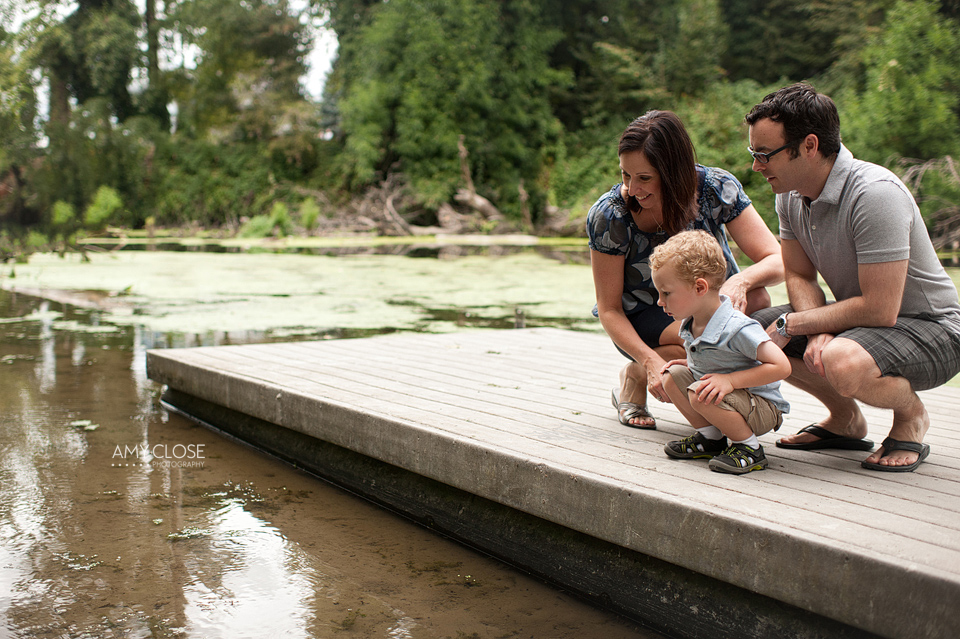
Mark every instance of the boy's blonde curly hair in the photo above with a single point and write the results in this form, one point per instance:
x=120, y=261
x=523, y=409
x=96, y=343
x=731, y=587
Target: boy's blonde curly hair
x=693, y=254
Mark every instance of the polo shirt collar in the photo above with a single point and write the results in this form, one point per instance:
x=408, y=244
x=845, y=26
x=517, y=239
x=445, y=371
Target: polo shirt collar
x=714, y=329
x=833, y=188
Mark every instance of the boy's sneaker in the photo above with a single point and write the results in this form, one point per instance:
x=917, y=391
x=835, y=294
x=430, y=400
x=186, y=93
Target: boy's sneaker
x=739, y=459
x=695, y=446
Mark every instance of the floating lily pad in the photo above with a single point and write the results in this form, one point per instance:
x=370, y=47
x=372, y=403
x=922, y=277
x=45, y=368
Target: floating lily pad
x=85, y=424
x=187, y=533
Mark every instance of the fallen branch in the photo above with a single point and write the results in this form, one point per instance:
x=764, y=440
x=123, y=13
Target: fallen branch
x=450, y=221
x=392, y=216
x=478, y=203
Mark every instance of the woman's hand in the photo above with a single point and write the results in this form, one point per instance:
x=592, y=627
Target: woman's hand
x=655, y=371
x=681, y=362
x=736, y=289
x=756, y=241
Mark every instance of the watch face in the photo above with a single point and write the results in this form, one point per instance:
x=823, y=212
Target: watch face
x=781, y=322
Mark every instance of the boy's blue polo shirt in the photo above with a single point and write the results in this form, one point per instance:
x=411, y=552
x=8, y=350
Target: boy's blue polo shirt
x=728, y=344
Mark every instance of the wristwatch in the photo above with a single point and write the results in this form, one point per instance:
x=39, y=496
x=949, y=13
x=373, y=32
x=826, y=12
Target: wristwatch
x=782, y=325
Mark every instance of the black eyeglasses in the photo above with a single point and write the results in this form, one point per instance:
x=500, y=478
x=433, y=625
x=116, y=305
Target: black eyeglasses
x=763, y=158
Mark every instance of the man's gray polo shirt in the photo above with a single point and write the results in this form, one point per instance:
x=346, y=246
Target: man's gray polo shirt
x=866, y=215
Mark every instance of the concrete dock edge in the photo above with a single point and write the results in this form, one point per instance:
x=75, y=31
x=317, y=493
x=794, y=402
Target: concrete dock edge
x=665, y=597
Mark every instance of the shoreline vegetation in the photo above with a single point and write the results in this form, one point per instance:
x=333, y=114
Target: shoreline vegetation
x=436, y=119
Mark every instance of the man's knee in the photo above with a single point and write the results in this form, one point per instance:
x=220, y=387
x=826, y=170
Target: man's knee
x=757, y=299
x=848, y=366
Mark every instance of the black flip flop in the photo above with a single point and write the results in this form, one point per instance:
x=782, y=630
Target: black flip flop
x=827, y=440
x=889, y=445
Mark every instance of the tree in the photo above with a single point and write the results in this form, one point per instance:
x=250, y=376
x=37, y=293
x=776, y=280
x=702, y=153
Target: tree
x=423, y=73
x=606, y=48
x=155, y=96
x=628, y=56
x=910, y=105
x=773, y=40
x=691, y=54
x=251, y=59
x=855, y=24
x=89, y=53
x=18, y=110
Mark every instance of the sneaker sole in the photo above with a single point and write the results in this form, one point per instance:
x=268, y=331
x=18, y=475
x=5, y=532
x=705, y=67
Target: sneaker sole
x=676, y=455
x=735, y=470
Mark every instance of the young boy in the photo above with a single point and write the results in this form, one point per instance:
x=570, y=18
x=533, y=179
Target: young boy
x=729, y=385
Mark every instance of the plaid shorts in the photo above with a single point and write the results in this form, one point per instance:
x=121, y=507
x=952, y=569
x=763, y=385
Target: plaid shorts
x=924, y=351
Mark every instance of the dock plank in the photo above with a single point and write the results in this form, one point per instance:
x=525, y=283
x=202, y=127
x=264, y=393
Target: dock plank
x=523, y=418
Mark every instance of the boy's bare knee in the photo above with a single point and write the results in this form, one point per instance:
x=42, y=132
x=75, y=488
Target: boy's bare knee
x=695, y=402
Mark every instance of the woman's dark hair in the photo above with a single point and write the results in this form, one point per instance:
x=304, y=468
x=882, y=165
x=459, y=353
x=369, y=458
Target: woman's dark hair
x=802, y=111
x=662, y=138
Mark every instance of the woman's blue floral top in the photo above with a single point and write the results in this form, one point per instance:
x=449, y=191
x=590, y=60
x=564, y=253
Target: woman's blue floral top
x=611, y=229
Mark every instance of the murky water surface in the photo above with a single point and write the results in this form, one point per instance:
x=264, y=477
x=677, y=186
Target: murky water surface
x=118, y=519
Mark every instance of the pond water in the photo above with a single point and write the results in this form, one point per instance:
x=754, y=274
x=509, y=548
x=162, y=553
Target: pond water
x=119, y=519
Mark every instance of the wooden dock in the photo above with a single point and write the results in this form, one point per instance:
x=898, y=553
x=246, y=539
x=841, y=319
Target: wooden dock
x=507, y=440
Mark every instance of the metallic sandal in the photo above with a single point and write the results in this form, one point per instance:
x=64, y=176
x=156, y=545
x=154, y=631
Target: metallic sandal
x=629, y=410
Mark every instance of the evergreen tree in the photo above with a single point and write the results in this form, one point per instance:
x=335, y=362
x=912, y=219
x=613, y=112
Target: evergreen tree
x=607, y=48
x=911, y=102
x=424, y=73
x=780, y=40
x=18, y=137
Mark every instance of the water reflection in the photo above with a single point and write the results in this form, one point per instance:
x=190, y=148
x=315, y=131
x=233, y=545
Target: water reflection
x=951, y=260
x=238, y=566
x=109, y=527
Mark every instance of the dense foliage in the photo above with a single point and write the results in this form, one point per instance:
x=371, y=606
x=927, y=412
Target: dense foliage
x=193, y=112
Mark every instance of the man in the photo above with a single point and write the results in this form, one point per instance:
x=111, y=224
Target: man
x=894, y=328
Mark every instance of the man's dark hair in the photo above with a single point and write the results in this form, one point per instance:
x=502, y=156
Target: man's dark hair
x=802, y=111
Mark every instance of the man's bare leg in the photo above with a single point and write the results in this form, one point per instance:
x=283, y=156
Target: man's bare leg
x=854, y=374
x=845, y=417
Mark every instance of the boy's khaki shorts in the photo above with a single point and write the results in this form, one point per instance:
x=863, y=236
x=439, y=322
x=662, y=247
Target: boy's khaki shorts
x=759, y=412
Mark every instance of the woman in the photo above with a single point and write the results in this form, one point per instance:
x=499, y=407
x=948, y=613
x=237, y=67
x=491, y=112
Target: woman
x=663, y=192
